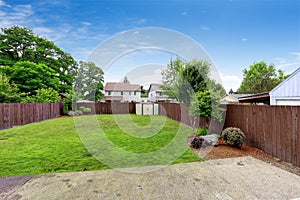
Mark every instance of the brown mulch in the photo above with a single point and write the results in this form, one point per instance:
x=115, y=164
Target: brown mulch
x=225, y=151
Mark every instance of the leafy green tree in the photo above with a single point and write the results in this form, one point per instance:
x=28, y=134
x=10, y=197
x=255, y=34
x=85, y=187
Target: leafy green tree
x=30, y=77
x=189, y=83
x=21, y=44
x=9, y=92
x=260, y=77
x=206, y=104
x=48, y=95
x=89, y=81
x=182, y=79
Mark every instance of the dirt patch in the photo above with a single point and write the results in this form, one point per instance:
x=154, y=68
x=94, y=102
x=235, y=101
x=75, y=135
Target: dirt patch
x=225, y=151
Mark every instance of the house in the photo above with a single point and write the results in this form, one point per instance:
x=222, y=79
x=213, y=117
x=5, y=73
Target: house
x=288, y=91
x=155, y=94
x=232, y=98
x=122, y=92
x=259, y=99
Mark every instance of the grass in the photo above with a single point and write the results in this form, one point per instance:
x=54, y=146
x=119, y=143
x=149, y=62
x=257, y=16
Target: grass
x=56, y=146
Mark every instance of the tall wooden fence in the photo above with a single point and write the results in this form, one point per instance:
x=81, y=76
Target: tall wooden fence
x=274, y=129
x=179, y=112
x=15, y=114
x=109, y=108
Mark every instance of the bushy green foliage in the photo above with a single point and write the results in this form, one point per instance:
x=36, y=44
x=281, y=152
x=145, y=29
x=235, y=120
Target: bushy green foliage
x=43, y=96
x=233, y=136
x=89, y=81
x=202, y=131
x=85, y=109
x=260, y=77
x=30, y=77
x=22, y=44
x=9, y=92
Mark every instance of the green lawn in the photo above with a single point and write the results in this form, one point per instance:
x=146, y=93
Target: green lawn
x=57, y=146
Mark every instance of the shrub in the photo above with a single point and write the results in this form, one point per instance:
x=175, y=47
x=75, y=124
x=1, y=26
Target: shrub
x=202, y=131
x=233, y=137
x=87, y=110
x=81, y=108
x=197, y=142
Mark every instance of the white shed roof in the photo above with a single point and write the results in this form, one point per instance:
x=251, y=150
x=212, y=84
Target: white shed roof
x=290, y=87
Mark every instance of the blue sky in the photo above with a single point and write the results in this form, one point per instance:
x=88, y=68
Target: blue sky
x=234, y=33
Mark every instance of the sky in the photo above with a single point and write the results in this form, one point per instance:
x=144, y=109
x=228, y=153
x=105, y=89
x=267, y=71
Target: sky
x=232, y=33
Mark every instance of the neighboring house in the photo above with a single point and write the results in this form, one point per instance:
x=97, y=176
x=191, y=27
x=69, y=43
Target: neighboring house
x=288, y=91
x=122, y=92
x=259, y=99
x=155, y=94
x=232, y=98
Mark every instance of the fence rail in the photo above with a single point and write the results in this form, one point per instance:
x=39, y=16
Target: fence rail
x=15, y=114
x=274, y=129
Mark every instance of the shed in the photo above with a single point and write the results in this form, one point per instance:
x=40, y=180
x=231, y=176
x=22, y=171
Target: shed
x=288, y=91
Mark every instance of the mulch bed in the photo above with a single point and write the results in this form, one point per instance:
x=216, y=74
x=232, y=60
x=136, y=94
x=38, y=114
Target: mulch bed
x=225, y=151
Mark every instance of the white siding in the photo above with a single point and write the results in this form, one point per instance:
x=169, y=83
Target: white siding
x=127, y=96
x=287, y=92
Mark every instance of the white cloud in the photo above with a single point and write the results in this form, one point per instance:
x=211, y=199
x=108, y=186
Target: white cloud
x=2, y=3
x=140, y=21
x=184, y=13
x=231, y=82
x=297, y=54
x=244, y=39
x=86, y=23
x=288, y=64
x=205, y=28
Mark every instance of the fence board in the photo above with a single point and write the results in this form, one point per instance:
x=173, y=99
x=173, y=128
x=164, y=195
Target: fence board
x=15, y=114
x=274, y=129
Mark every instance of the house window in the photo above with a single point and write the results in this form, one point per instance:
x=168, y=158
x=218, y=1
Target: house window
x=134, y=92
x=129, y=93
x=121, y=92
x=109, y=93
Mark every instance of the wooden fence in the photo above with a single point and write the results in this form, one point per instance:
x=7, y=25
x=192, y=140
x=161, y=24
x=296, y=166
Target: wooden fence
x=109, y=108
x=179, y=112
x=15, y=114
x=274, y=129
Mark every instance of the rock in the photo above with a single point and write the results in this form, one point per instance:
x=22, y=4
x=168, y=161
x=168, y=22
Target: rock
x=207, y=140
x=210, y=140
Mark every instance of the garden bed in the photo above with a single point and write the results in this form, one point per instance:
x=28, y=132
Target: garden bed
x=225, y=151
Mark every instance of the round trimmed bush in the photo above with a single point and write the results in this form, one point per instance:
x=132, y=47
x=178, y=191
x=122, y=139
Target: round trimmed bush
x=87, y=110
x=233, y=136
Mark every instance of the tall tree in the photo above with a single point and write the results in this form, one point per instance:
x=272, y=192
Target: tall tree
x=30, y=77
x=9, y=92
x=89, y=81
x=21, y=44
x=190, y=84
x=260, y=77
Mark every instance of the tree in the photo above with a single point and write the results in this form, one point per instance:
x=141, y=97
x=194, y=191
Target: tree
x=126, y=80
x=190, y=84
x=30, y=77
x=260, y=77
x=182, y=79
x=43, y=96
x=89, y=81
x=9, y=92
x=21, y=44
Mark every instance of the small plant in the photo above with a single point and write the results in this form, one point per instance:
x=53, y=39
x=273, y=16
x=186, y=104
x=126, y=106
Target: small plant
x=81, y=108
x=197, y=142
x=233, y=137
x=202, y=131
x=87, y=110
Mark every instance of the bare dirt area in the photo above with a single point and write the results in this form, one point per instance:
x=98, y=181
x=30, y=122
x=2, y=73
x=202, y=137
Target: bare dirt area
x=225, y=151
